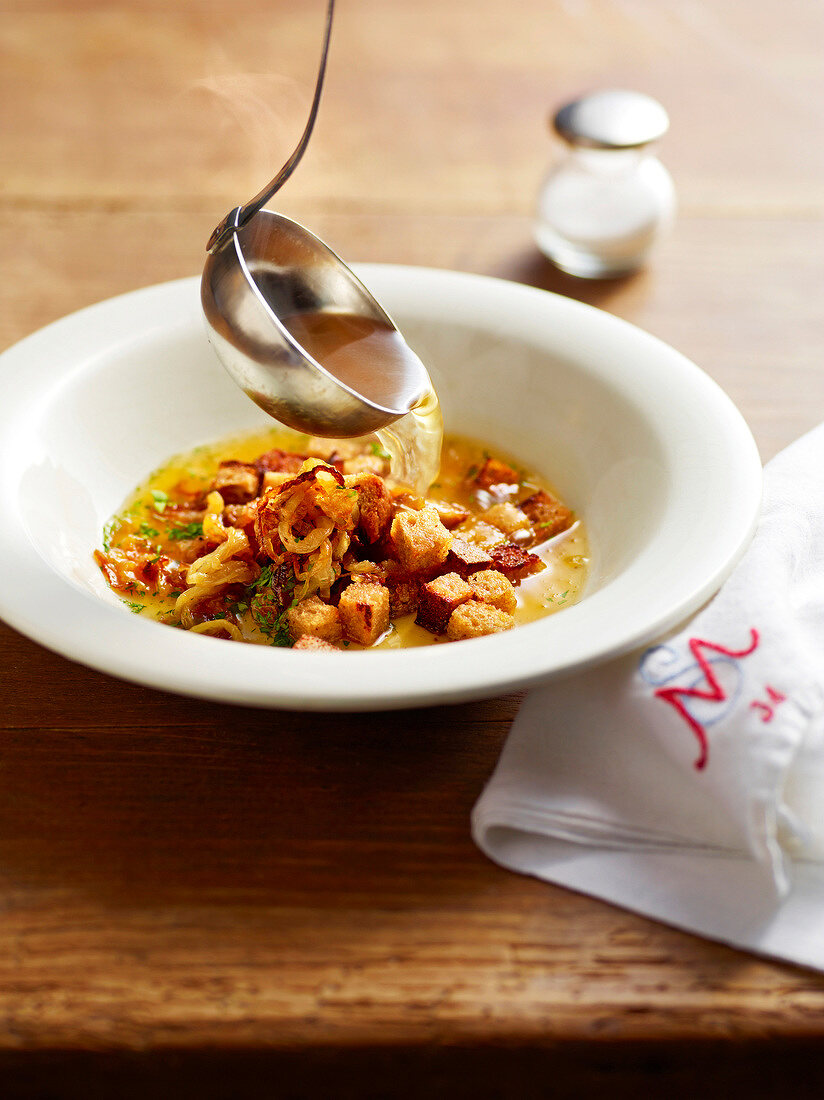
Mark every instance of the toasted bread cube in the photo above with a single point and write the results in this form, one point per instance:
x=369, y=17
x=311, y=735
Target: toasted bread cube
x=514, y=562
x=309, y=641
x=483, y=534
x=333, y=450
x=273, y=479
x=277, y=461
x=366, y=464
x=546, y=515
x=451, y=514
x=474, y=619
x=403, y=590
x=375, y=504
x=494, y=472
x=490, y=586
x=364, y=612
x=420, y=539
x=465, y=558
x=438, y=599
x=236, y=482
x=403, y=598
x=507, y=517
x=313, y=616
x=405, y=498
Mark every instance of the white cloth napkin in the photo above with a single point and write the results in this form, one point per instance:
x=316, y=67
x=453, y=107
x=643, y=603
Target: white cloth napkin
x=686, y=782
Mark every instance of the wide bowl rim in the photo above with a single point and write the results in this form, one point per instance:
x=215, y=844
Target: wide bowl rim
x=36, y=600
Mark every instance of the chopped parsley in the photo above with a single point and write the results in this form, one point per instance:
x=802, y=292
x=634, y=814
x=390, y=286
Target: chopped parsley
x=135, y=607
x=108, y=532
x=134, y=588
x=148, y=532
x=266, y=605
x=376, y=449
x=160, y=499
x=189, y=531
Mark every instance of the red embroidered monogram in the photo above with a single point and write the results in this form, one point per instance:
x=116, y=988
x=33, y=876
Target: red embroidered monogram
x=714, y=692
x=767, y=711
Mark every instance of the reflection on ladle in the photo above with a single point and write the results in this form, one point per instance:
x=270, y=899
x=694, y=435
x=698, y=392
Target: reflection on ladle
x=303, y=337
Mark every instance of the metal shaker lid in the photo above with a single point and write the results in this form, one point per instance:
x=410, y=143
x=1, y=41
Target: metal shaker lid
x=611, y=119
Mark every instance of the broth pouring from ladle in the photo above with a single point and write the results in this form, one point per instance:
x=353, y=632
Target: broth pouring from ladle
x=297, y=330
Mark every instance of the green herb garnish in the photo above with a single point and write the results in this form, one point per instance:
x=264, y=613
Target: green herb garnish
x=189, y=531
x=266, y=607
x=108, y=532
x=376, y=449
x=160, y=499
x=148, y=532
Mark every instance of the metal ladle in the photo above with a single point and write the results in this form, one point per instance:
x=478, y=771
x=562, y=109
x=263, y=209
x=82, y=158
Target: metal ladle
x=262, y=268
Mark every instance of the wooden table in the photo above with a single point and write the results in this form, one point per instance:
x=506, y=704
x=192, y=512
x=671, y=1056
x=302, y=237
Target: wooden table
x=219, y=901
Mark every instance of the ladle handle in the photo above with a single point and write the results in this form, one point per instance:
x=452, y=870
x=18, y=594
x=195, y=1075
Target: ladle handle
x=241, y=214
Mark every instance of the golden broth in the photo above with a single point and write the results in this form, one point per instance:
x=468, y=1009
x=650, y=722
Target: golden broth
x=147, y=514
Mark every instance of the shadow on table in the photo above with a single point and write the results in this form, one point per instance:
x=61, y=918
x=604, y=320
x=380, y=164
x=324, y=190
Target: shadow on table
x=533, y=269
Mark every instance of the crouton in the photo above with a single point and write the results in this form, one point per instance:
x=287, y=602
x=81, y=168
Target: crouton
x=313, y=616
x=403, y=590
x=364, y=612
x=465, y=558
x=403, y=597
x=273, y=479
x=405, y=499
x=507, y=517
x=366, y=464
x=451, y=514
x=333, y=450
x=546, y=515
x=278, y=461
x=438, y=599
x=481, y=534
x=514, y=562
x=473, y=619
x=375, y=504
x=236, y=482
x=309, y=641
x=490, y=586
x=494, y=472
x=420, y=539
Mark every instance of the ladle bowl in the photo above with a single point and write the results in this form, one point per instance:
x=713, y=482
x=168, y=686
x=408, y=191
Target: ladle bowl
x=270, y=269
x=267, y=278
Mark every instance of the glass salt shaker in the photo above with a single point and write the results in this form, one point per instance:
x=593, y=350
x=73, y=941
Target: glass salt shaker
x=605, y=204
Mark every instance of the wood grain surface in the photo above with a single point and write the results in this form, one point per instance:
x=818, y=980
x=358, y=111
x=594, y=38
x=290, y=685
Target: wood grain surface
x=207, y=900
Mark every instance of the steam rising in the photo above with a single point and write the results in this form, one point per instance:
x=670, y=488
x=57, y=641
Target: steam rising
x=256, y=120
